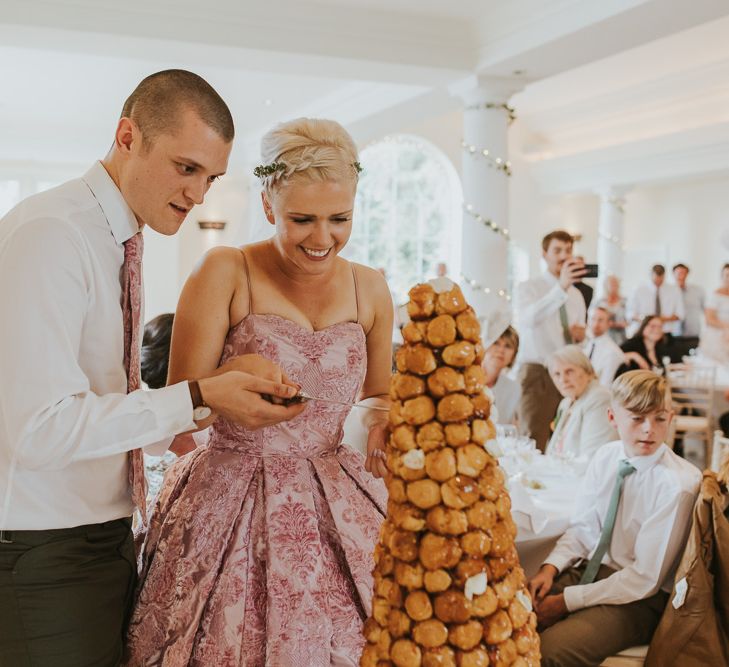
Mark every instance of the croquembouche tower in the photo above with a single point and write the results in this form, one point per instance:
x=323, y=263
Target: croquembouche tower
x=448, y=588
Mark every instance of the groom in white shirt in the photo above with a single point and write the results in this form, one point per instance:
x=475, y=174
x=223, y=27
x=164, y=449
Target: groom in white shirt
x=605, y=584
x=70, y=353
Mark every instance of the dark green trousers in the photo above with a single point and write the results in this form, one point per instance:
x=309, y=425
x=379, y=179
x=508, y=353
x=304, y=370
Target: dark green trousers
x=66, y=595
x=587, y=637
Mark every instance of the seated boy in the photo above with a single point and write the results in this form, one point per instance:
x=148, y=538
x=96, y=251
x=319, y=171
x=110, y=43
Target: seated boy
x=605, y=584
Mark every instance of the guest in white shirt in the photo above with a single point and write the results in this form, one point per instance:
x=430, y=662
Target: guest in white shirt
x=499, y=356
x=602, y=351
x=605, y=584
x=657, y=298
x=615, y=304
x=715, y=337
x=67, y=562
x=582, y=424
x=694, y=300
x=550, y=314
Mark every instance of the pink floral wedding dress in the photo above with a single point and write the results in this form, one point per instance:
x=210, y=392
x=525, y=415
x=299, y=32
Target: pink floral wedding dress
x=259, y=550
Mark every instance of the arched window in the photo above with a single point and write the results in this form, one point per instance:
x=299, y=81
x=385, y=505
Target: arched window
x=407, y=213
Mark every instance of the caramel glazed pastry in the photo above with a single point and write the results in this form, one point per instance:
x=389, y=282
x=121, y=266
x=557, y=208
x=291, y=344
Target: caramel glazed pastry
x=448, y=588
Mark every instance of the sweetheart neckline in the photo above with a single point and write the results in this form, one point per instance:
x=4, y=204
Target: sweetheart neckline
x=297, y=324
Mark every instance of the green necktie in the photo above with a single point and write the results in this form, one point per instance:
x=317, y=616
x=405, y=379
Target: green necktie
x=624, y=469
x=565, y=324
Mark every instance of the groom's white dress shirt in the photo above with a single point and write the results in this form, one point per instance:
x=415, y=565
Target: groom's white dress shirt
x=66, y=421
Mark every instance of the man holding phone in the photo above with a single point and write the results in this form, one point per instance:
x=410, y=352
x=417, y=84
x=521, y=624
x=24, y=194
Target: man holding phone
x=586, y=290
x=551, y=313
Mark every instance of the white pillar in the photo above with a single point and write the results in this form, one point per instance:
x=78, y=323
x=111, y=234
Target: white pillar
x=485, y=174
x=610, y=232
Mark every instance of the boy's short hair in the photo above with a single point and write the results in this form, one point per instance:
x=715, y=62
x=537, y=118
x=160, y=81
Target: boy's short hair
x=640, y=392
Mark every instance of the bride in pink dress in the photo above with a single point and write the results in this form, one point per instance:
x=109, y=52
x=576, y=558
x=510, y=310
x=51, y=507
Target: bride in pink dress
x=259, y=549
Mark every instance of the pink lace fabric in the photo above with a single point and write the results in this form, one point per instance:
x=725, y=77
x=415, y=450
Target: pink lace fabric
x=259, y=549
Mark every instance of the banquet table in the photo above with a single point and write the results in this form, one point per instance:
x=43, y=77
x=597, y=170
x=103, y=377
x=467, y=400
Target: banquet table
x=543, y=490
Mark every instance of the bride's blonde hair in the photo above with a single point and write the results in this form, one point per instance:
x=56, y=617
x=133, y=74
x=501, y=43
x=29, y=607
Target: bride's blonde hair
x=311, y=148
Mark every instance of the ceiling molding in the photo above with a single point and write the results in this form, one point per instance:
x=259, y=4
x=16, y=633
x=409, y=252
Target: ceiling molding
x=570, y=33
x=670, y=157
x=308, y=29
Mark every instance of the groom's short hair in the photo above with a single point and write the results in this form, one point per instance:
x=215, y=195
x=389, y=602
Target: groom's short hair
x=157, y=102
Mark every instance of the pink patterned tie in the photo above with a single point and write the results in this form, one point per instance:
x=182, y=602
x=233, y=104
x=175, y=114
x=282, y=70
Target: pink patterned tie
x=132, y=310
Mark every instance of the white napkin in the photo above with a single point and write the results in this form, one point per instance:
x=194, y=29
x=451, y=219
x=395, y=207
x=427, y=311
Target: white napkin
x=525, y=513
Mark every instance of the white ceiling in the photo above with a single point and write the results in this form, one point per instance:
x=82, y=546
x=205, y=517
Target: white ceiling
x=597, y=73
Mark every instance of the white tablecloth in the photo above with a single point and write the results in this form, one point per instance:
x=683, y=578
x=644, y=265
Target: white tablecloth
x=542, y=514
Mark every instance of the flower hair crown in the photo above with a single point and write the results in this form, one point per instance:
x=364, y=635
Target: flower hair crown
x=265, y=170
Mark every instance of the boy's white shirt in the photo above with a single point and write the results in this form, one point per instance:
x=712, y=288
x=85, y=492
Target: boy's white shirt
x=650, y=530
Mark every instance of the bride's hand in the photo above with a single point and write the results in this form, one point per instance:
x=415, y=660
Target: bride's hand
x=376, y=440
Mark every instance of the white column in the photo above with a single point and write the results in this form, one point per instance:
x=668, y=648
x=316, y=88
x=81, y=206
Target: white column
x=486, y=169
x=610, y=232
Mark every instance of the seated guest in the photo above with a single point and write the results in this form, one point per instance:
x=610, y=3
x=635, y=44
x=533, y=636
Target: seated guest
x=507, y=392
x=724, y=419
x=155, y=359
x=614, y=303
x=582, y=424
x=659, y=299
x=646, y=350
x=605, y=584
x=155, y=355
x=602, y=351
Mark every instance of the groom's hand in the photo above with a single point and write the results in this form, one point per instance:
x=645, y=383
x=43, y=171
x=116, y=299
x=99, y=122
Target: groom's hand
x=238, y=396
x=255, y=364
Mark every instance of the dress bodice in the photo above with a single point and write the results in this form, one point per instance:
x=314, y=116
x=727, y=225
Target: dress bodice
x=330, y=363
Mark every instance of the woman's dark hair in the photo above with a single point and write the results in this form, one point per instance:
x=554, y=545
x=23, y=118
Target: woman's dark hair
x=156, y=350
x=511, y=338
x=644, y=324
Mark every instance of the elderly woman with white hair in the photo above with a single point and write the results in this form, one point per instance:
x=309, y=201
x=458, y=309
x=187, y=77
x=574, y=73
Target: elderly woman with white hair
x=582, y=424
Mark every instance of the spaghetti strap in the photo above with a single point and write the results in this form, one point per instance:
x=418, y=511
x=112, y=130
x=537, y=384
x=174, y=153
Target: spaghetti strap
x=356, y=291
x=248, y=280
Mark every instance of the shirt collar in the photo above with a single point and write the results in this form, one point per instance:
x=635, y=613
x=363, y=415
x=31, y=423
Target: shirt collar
x=643, y=463
x=121, y=219
x=549, y=277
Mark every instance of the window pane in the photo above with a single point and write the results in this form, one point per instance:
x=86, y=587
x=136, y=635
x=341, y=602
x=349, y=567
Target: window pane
x=407, y=214
x=9, y=195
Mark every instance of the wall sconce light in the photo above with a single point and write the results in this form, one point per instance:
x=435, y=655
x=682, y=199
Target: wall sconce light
x=211, y=224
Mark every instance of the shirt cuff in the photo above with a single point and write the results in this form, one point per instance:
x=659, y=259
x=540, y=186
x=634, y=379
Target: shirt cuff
x=574, y=597
x=558, y=294
x=201, y=437
x=561, y=562
x=173, y=408
x=158, y=448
